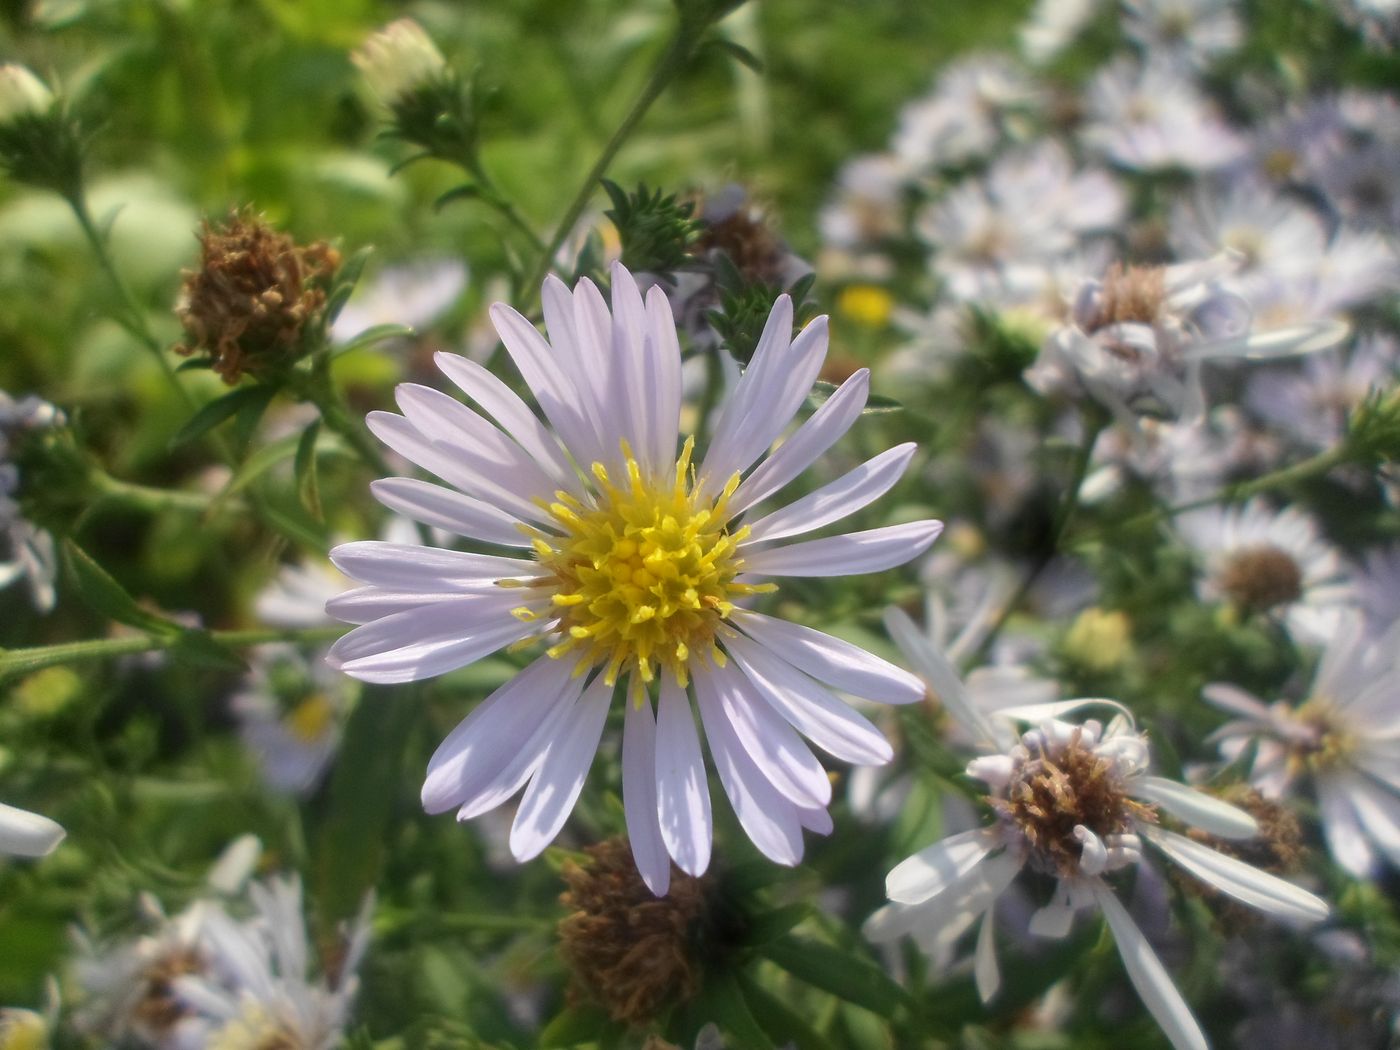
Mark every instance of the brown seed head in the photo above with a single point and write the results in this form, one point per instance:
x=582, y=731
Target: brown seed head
x=631, y=951
x=1130, y=294
x=1278, y=848
x=751, y=245
x=255, y=291
x=1261, y=578
x=159, y=1008
x=1049, y=796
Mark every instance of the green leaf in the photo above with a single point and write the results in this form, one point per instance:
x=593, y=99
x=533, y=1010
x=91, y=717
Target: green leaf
x=201, y=649
x=366, y=790
x=779, y=1020
x=308, y=488
x=773, y=924
x=252, y=399
x=466, y=191
x=582, y=1023
x=739, y=53
x=373, y=335
x=105, y=595
x=842, y=973
x=346, y=279
x=260, y=462
x=723, y=1003
x=875, y=404
x=190, y=364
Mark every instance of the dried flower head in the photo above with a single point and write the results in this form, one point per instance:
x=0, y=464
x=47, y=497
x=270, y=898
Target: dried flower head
x=255, y=293
x=1261, y=578
x=632, y=951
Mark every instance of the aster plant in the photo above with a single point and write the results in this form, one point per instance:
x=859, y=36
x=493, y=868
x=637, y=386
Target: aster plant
x=638, y=581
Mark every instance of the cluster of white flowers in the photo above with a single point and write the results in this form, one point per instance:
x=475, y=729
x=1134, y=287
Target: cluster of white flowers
x=232, y=973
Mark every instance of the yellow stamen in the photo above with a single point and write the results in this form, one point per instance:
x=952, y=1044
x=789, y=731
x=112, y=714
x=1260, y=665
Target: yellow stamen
x=643, y=577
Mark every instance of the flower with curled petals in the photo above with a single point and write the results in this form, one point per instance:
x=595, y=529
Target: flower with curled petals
x=634, y=565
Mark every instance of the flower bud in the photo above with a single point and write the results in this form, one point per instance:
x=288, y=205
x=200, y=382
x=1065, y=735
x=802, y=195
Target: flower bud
x=398, y=60
x=22, y=94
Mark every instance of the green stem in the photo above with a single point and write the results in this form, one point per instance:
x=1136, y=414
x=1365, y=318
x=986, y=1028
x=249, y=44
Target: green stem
x=677, y=52
x=134, y=321
x=1094, y=424
x=149, y=498
x=1312, y=467
x=26, y=661
x=319, y=388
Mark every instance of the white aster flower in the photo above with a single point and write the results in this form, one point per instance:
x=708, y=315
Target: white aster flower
x=1194, y=30
x=22, y=94
x=1377, y=583
x=398, y=60
x=1344, y=738
x=1137, y=340
x=263, y=991
x=1151, y=117
x=1052, y=26
x=1311, y=403
x=26, y=552
x=965, y=115
x=290, y=711
x=868, y=204
x=635, y=572
x=1074, y=802
x=1272, y=562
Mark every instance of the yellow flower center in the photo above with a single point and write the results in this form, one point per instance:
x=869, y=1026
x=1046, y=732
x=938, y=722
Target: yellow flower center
x=311, y=718
x=1331, y=744
x=642, y=576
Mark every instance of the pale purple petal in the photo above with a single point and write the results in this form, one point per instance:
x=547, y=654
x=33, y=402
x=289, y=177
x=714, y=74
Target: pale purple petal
x=682, y=793
x=835, y=500
x=854, y=553
x=639, y=801
x=447, y=509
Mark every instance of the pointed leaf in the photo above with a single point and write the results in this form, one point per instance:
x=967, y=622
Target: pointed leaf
x=105, y=595
x=842, y=973
x=250, y=398
x=308, y=488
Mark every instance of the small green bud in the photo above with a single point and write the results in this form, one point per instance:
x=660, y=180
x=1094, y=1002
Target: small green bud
x=429, y=104
x=40, y=142
x=1373, y=429
x=656, y=230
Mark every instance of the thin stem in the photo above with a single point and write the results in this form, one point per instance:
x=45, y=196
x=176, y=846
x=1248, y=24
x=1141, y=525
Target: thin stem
x=1312, y=467
x=135, y=320
x=1094, y=425
x=667, y=66
x=25, y=661
x=149, y=498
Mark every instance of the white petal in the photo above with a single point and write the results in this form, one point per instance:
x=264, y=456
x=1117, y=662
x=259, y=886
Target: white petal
x=483, y=741
x=1346, y=840
x=663, y=376
x=827, y=425
x=362, y=605
x=767, y=818
x=502, y=404
x=775, y=748
x=984, y=966
x=1236, y=701
x=422, y=643
x=473, y=476
x=831, y=660
x=1242, y=881
x=1056, y=918
x=934, y=868
x=639, y=797
x=1379, y=813
x=1196, y=808
x=810, y=708
x=835, y=500
x=556, y=784
x=940, y=675
x=447, y=422
x=405, y=567
x=448, y=509
x=682, y=793
x=1145, y=970
x=773, y=343
x=25, y=834
x=873, y=550
x=547, y=376
x=629, y=352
